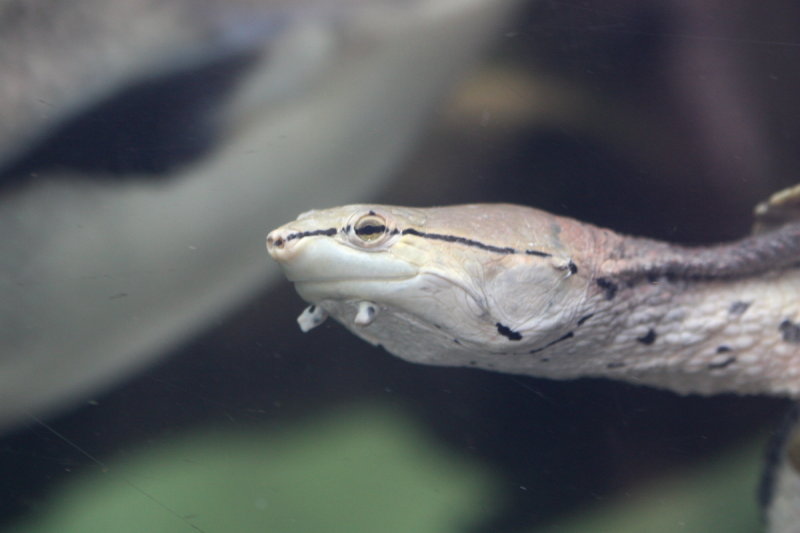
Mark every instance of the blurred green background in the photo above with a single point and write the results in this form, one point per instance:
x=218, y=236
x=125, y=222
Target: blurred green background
x=361, y=469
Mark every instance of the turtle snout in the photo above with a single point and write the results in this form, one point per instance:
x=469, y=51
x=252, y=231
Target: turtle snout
x=279, y=244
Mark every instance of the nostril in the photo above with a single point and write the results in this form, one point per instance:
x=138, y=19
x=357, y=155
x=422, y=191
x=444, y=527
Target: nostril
x=275, y=241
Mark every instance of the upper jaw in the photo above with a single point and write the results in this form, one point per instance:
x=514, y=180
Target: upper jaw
x=324, y=258
x=284, y=243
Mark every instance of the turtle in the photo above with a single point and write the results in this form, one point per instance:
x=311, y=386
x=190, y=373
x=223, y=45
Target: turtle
x=515, y=289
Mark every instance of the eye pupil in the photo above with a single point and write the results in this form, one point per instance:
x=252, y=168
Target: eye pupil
x=370, y=228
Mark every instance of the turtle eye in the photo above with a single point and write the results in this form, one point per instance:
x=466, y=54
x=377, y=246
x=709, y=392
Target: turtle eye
x=369, y=229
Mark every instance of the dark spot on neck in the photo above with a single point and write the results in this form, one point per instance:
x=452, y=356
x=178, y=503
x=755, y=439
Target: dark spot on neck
x=583, y=319
x=727, y=362
x=609, y=287
x=648, y=338
x=738, y=308
x=790, y=331
x=723, y=349
x=508, y=332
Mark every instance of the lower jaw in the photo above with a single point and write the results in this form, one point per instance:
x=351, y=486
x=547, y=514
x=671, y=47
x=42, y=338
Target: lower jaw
x=315, y=291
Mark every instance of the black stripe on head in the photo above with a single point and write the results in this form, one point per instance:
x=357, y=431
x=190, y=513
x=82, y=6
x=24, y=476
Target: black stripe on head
x=330, y=232
x=537, y=253
x=373, y=229
x=505, y=250
x=460, y=240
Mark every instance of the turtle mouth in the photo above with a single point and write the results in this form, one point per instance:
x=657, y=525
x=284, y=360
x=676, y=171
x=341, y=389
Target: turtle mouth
x=322, y=258
x=354, y=279
x=379, y=290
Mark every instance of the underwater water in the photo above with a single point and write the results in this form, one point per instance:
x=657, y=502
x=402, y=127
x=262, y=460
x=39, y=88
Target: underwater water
x=172, y=389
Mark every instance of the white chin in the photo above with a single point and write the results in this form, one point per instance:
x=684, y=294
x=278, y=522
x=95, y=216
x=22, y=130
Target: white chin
x=348, y=290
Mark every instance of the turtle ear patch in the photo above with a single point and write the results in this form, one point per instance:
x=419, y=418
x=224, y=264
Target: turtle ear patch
x=564, y=263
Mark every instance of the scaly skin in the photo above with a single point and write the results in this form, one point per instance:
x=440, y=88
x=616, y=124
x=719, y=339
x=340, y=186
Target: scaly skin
x=697, y=320
x=515, y=289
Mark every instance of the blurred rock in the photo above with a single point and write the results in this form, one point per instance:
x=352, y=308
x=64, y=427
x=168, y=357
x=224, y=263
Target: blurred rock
x=146, y=147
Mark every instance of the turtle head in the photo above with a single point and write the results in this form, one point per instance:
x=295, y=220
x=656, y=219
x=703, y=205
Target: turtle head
x=435, y=285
